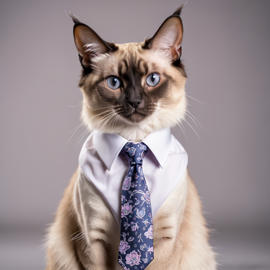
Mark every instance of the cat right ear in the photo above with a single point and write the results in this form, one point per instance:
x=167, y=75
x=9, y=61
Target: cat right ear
x=168, y=37
x=88, y=43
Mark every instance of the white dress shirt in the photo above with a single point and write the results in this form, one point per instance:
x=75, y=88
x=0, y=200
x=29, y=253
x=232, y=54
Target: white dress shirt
x=163, y=166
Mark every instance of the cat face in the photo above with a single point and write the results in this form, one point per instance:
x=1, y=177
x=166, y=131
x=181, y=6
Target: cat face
x=132, y=89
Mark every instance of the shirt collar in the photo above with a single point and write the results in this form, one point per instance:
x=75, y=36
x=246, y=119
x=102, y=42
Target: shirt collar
x=109, y=145
x=159, y=143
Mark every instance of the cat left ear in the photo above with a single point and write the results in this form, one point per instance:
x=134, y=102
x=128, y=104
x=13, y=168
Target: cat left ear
x=88, y=43
x=168, y=37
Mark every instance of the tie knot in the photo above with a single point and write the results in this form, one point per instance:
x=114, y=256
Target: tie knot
x=135, y=152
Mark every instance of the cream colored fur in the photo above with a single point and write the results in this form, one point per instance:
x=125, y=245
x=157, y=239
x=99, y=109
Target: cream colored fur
x=85, y=234
x=85, y=230
x=169, y=110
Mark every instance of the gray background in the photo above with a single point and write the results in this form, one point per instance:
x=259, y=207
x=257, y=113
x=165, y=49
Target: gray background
x=226, y=54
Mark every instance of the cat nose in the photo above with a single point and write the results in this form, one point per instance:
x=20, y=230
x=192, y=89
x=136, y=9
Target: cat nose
x=134, y=103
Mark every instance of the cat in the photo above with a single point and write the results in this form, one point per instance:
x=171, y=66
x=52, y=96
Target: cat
x=130, y=91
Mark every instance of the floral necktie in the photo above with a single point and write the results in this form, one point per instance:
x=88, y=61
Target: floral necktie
x=136, y=237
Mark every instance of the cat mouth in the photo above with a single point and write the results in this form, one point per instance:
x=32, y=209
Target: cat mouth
x=135, y=116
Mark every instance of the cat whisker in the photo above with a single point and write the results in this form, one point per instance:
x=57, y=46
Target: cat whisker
x=109, y=117
x=196, y=122
x=101, y=119
x=81, y=137
x=104, y=112
x=191, y=128
x=119, y=117
x=193, y=118
x=105, y=115
x=165, y=106
x=102, y=108
x=166, y=102
x=74, y=130
x=183, y=129
x=97, y=109
x=104, y=118
x=118, y=109
x=195, y=99
x=178, y=123
x=187, y=113
x=116, y=118
x=113, y=121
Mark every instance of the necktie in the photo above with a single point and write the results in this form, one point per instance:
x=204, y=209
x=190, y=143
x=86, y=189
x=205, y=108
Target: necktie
x=136, y=237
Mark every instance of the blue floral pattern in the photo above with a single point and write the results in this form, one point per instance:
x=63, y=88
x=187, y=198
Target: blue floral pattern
x=136, y=243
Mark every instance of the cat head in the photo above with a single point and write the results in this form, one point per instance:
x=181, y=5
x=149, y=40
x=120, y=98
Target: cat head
x=132, y=89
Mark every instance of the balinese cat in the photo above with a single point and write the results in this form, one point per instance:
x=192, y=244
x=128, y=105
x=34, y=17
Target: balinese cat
x=130, y=92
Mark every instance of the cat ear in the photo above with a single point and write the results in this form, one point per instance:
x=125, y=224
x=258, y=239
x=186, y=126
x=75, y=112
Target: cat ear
x=88, y=42
x=168, y=37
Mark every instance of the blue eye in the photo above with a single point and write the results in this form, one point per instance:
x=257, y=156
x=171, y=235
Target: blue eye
x=153, y=79
x=113, y=82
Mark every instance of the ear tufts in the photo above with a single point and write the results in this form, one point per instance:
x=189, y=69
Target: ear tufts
x=73, y=17
x=178, y=11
